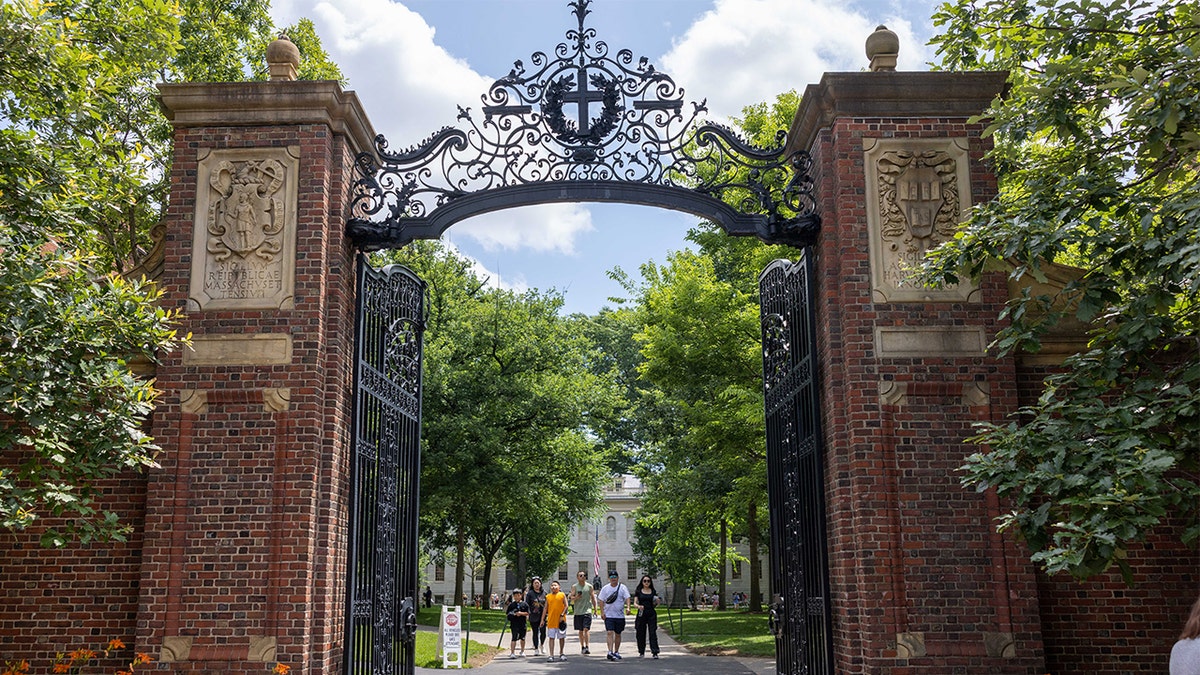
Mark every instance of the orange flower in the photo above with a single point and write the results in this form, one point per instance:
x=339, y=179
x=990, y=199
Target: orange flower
x=281, y=669
x=141, y=658
x=81, y=655
x=61, y=668
x=116, y=643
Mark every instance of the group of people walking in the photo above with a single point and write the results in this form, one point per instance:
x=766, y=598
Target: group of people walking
x=544, y=615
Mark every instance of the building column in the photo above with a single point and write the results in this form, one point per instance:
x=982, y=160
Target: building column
x=919, y=577
x=245, y=533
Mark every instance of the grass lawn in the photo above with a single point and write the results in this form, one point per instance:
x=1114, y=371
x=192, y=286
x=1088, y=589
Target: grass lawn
x=728, y=633
x=478, y=653
x=479, y=620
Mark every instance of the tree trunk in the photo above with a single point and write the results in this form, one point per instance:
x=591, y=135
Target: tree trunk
x=678, y=594
x=522, y=572
x=755, y=563
x=459, y=567
x=721, y=581
x=487, y=582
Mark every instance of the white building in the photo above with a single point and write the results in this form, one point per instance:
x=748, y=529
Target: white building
x=612, y=534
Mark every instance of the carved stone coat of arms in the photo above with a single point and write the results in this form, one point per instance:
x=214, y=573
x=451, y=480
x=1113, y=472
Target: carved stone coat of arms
x=918, y=192
x=244, y=248
x=246, y=216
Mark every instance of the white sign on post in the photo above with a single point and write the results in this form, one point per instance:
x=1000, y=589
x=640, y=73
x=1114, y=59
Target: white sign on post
x=450, y=637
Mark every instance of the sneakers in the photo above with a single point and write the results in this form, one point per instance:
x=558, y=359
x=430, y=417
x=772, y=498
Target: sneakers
x=654, y=656
x=586, y=651
x=562, y=657
x=617, y=656
x=552, y=659
x=610, y=657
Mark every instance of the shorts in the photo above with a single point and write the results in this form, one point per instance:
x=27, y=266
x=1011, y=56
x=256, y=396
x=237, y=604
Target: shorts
x=552, y=633
x=518, y=630
x=583, y=622
x=614, y=624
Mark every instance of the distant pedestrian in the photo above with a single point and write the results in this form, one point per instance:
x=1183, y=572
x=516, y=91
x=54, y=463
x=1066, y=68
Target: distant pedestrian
x=555, y=621
x=536, y=597
x=1185, y=655
x=615, y=598
x=583, y=599
x=518, y=613
x=428, y=597
x=645, y=598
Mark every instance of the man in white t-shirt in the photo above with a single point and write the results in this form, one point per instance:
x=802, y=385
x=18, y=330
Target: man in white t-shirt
x=614, y=598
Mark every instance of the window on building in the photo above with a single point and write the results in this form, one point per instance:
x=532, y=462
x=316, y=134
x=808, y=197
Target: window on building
x=631, y=570
x=610, y=565
x=439, y=573
x=583, y=566
x=610, y=528
x=562, y=573
x=737, y=569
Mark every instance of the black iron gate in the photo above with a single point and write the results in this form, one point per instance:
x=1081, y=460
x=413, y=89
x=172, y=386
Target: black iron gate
x=385, y=471
x=800, y=609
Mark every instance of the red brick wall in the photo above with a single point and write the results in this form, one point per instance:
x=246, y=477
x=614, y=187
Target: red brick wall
x=56, y=600
x=243, y=532
x=1103, y=626
x=911, y=551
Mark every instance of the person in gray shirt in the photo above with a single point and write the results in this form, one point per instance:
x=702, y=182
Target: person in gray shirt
x=1185, y=655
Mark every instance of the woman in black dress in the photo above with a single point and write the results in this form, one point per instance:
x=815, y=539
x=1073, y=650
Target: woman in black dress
x=645, y=598
x=535, y=597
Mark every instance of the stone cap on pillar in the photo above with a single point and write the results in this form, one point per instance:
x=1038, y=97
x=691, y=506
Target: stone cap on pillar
x=283, y=59
x=240, y=104
x=891, y=95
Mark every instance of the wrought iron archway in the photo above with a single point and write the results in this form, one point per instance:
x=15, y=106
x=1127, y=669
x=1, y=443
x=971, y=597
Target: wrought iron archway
x=645, y=145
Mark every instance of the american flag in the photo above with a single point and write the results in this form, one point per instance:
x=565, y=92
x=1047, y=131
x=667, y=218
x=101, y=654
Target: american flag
x=596, y=560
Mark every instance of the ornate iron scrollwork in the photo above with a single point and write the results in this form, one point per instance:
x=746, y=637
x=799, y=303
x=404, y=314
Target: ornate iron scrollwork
x=642, y=144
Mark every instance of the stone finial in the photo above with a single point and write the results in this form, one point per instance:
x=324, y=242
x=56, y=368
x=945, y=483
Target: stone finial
x=883, y=46
x=283, y=59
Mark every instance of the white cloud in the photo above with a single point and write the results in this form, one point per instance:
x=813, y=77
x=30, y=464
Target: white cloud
x=411, y=87
x=746, y=51
x=516, y=283
x=544, y=228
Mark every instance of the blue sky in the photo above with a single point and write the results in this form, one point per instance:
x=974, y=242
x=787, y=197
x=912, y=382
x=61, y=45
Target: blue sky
x=413, y=62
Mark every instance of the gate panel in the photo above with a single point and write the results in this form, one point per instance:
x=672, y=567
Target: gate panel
x=385, y=470
x=800, y=610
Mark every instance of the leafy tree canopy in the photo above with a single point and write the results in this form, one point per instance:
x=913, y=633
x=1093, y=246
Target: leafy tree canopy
x=84, y=156
x=1096, y=148
x=511, y=395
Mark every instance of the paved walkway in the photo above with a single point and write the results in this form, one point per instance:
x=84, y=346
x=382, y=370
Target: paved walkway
x=673, y=660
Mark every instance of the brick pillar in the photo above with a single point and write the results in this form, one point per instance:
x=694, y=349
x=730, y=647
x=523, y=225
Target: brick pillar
x=243, y=560
x=920, y=579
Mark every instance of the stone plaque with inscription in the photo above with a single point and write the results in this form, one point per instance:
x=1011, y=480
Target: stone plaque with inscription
x=918, y=190
x=244, y=246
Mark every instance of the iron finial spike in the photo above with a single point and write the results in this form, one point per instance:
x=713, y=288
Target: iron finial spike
x=580, y=10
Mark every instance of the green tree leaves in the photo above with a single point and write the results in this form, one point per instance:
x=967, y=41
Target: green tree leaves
x=1096, y=148
x=510, y=400
x=71, y=408
x=84, y=160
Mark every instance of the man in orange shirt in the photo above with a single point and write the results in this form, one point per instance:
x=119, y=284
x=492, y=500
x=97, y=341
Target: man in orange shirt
x=555, y=620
